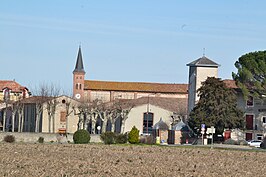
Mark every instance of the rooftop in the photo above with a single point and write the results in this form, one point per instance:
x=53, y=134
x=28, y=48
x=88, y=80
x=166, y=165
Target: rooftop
x=135, y=86
x=203, y=61
x=14, y=86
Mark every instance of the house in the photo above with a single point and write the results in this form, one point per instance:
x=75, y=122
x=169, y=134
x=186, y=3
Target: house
x=36, y=114
x=254, y=113
x=12, y=91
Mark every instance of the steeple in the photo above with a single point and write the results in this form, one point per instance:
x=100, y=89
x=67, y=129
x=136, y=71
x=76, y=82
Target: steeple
x=78, y=78
x=79, y=63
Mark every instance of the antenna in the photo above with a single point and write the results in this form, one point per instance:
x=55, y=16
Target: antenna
x=204, y=52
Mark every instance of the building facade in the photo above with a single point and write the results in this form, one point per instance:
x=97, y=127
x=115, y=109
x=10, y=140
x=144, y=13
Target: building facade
x=254, y=113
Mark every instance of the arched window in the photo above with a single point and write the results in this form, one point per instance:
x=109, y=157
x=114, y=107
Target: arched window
x=80, y=86
x=147, y=122
x=77, y=86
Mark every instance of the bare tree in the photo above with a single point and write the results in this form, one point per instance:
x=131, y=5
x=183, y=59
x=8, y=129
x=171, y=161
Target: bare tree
x=68, y=111
x=16, y=108
x=51, y=104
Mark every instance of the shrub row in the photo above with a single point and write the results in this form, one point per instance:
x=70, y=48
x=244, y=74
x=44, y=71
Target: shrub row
x=113, y=138
x=233, y=142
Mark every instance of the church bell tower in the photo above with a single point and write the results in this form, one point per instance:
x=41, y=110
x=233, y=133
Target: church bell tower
x=199, y=71
x=78, y=78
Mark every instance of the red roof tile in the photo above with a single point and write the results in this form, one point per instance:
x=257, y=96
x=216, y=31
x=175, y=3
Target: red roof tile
x=14, y=86
x=136, y=86
x=230, y=83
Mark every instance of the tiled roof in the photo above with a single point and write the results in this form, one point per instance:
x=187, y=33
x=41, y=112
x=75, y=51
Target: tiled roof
x=14, y=86
x=203, y=61
x=171, y=104
x=135, y=86
x=230, y=83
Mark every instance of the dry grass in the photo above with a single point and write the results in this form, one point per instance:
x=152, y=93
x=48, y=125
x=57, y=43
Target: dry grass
x=111, y=160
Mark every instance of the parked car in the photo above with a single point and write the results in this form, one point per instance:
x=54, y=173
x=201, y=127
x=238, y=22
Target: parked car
x=254, y=143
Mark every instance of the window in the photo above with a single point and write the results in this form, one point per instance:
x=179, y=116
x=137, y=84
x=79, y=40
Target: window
x=80, y=86
x=250, y=101
x=77, y=86
x=62, y=116
x=147, y=122
x=259, y=136
x=264, y=120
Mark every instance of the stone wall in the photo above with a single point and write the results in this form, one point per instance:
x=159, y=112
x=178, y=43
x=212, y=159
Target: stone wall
x=48, y=137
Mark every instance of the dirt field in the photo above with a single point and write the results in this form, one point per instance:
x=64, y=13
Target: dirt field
x=104, y=160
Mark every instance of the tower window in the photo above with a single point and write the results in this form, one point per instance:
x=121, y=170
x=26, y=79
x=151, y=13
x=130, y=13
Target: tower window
x=77, y=86
x=80, y=77
x=80, y=86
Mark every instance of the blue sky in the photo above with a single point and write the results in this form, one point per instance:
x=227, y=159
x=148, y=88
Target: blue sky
x=145, y=41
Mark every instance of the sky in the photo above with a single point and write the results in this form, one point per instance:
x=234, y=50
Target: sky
x=133, y=41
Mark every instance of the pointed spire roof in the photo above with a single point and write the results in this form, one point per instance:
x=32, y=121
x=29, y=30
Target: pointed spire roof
x=79, y=63
x=203, y=61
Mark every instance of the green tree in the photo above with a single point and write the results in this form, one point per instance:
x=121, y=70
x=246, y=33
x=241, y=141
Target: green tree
x=133, y=136
x=217, y=107
x=251, y=74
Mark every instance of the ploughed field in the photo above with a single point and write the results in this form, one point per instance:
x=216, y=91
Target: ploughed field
x=19, y=159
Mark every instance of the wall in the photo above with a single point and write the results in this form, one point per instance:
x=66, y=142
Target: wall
x=107, y=96
x=48, y=137
x=72, y=119
x=197, y=75
x=135, y=117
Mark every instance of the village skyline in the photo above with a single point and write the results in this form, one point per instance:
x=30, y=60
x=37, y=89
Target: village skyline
x=147, y=41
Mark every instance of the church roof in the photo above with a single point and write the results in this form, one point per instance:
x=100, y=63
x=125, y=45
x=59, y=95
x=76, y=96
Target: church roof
x=203, y=61
x=177, y=105
x=79, y=63
x=14, y=86
x=135, y=86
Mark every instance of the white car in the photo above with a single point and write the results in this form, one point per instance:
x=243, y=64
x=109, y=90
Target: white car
x=254, y=143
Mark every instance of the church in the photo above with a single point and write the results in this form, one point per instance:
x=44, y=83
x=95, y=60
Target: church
x=152, y=101
x=106, y=91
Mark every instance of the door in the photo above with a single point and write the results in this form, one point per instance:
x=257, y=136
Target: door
x=248, y=136
x=249, y=122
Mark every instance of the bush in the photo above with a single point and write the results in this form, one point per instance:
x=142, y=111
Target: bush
x=108, y=137
x=41, y=140
x=149, y=139
x=81, y=137
x=9, y=139
x=242, y=142
x=230, y=141
x=113, y=138
x=233, y=142
x=133, y=136
x=121, y=138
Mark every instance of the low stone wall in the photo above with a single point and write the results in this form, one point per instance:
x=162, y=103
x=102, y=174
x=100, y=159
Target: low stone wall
x=48, y=137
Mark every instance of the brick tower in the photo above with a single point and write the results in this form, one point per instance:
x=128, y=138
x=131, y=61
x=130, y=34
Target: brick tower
x=78, y=78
